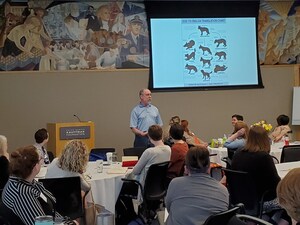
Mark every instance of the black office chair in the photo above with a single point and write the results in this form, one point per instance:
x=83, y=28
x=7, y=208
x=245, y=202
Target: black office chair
x=135, y=151
x=222, y=217
x=67, y=191
x=51, y=156
x=242, y=189
x=153, y=193
x=216, y=171
x=290, y=153
x=243, y=219
x=7, y=216
x=99, y=153
x=228, y=159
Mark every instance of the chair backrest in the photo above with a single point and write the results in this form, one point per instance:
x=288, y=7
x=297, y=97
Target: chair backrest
x=242, y=189
x=240, y=219
x=230, y=152
x=222, y=217
x=155, y=184
x=135, y=151
x=290, y=153
x=51, y=156
x=216, y=171
x=7, y=216
x=67, y=191
x=100, y=153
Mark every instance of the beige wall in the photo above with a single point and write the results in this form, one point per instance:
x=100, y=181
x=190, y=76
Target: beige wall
x=29, y=100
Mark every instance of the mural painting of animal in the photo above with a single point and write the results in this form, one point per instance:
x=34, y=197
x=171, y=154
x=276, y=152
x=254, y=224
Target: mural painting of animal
x=206, y=61
x=220, y=41
x=191, y=68
x=189, y=44
x=206, y=75
x=221, y=54
x=191, y=55
x=203, y=29
x=220, y=68
x=205, y=49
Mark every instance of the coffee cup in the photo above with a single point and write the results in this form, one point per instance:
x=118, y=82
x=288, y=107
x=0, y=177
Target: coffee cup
x=109, y=157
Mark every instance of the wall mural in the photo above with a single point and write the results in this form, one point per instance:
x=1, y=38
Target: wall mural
x=49, y=35
x=279, y=32
x=73, y=35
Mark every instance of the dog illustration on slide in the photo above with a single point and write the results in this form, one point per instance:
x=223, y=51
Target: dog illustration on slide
x=205, y=49
x=221, y=54
x=191, y=55
x=189, y=44
x=219, y=68
x=206, y=75
x=203, y=29
x=191, y=68
x=220, y=41
x=206, y=61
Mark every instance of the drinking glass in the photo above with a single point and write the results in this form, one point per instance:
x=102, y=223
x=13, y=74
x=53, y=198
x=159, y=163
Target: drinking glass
x=44, y=220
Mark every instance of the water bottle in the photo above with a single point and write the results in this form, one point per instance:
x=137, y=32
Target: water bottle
x=99, y=166
x=286, y=140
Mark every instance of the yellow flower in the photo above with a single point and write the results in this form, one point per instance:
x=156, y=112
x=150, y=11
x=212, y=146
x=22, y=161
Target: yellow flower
x=268, y=127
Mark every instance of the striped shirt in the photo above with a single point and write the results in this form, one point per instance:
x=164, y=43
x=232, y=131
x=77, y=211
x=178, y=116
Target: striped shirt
x=22, y=196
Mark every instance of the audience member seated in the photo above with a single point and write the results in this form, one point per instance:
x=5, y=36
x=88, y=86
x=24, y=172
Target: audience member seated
x=166, y=134
x=238, y=139
x=72, y=162
x=235, y=118
x=282, y=128
x=255, y=160
x=190, y=138
x=157, y=154
x=22, y=194
x=288, y=191
x=4, y=162
x=41, y=139
x=192, y=199
x=178, y=151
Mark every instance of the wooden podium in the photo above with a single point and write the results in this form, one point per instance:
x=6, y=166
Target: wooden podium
x=61, y=133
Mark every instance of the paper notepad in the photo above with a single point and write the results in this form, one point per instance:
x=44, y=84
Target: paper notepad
x=117, y=170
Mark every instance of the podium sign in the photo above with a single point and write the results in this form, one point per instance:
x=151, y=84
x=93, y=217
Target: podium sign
x=62, y=133
x=67, y=133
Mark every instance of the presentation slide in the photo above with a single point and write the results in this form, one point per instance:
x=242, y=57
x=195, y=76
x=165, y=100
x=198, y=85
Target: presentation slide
x=296, y=107
x=203, y=52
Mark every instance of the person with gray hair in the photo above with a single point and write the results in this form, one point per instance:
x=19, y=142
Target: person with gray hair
x=192, y=199
x=142, y=117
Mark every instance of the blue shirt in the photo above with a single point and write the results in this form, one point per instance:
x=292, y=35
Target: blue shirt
x=237, y=143
x=142, y=117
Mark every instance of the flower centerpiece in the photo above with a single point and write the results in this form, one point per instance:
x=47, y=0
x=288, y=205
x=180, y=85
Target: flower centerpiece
x=268, y=127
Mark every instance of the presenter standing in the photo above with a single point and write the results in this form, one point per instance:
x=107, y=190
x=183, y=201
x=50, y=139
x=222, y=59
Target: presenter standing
x=142, y=117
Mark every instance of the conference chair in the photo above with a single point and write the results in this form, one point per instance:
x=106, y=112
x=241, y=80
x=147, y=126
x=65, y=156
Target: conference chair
x=242, y=189
x=7, y=216
x=153, y=193
x=51, y=156
x=245, y=219
x=223, y=217
x=290, y=153
x=135, y=151
x=99, y=153
x=67, y=191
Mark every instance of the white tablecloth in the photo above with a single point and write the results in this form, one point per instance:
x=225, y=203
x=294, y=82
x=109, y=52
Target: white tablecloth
x=284, y=168
x=276, y=150
x=105, y=187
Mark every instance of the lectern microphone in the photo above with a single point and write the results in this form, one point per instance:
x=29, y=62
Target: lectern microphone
x=77, y=117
